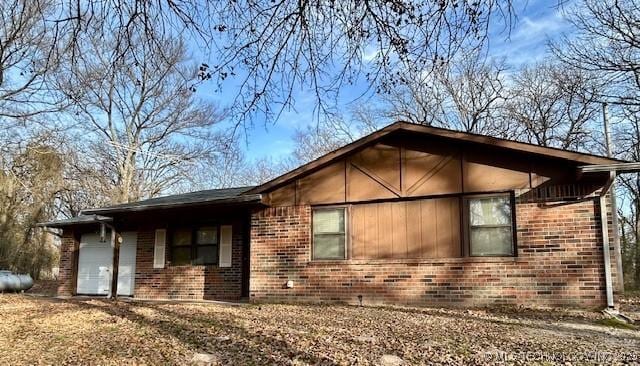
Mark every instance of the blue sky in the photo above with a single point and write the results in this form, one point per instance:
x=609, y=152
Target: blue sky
x=537, y=22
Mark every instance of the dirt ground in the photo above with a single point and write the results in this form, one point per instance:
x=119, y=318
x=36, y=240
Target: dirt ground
x=41, y=330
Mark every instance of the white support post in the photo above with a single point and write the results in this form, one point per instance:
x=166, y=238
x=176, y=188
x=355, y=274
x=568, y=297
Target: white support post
x=605, y=251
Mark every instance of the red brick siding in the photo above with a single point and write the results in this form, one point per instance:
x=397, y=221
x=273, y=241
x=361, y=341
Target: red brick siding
x=66, y=283
x=559, y=262
x=187, y=282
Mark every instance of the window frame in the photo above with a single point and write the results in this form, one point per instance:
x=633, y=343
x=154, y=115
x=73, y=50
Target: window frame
x=466, y=213
x=193, y=246
x=347, y=224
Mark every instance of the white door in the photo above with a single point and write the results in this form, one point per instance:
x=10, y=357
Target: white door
x=94, y=265
x=127, y=263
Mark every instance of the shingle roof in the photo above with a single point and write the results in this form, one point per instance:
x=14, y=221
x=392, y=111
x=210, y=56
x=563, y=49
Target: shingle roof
x=226, y=195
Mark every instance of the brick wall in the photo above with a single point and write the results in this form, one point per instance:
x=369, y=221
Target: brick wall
x=187, y=282
x=171, y=282
x=66, y=281
x=559, y=262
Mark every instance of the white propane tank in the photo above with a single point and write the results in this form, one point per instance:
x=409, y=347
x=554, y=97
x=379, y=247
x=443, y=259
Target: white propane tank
x=13, y=282
x=26, y=282
x=4, y=281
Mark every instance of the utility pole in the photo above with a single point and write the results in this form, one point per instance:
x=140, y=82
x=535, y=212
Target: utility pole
x=614, y=206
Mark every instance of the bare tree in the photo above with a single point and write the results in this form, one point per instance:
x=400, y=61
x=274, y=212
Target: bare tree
x=139, y=120
x=86, y=184
x=264, y=169
x=630, y=229
x=274, y=47
x=222, y=169
x=270, y=48
x=333, y=133
x=627, y=138
x=543, y=103
x=465, y=95
x=551, y=105
x=231, y=168
x=236, y=170
x=326, y=44
x=28, y=52
x=606, y=44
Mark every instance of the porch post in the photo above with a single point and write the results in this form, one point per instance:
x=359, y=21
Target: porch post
x=76, y=261
x=116, y=263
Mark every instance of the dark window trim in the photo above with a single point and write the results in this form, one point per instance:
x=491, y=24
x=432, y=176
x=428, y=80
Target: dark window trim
x=347, y=224
x=467, y=223
x=194, y=245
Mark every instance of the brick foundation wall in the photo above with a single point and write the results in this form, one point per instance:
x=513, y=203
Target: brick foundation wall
x=187, y=282
x=66, y=280
x=559, y=263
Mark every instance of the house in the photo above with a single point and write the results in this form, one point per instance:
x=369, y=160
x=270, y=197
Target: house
x=409, y=214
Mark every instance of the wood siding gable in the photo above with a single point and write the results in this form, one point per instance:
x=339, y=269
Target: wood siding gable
x=407, y=167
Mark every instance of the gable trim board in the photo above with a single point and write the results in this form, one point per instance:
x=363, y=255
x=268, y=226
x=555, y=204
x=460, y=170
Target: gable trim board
x=404, y=189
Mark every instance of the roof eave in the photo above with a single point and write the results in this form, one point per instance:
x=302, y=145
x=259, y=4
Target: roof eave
x=551, y=152
x=96, y=219
x=239, y=200
x=618, y=168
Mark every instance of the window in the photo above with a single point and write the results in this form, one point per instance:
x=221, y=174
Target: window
x=490, y=226
x=206, y=245
x=329, y=234
x=194, y=246
x=181, y=247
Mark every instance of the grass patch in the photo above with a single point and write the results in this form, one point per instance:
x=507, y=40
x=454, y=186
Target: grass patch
x=615, y=323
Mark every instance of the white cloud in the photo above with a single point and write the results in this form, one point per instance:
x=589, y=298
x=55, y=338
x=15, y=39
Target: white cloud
x=370, y=53
x=534, y=29
x=527, y=43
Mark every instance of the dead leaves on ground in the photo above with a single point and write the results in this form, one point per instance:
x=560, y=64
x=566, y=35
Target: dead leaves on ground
x=101, y=332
